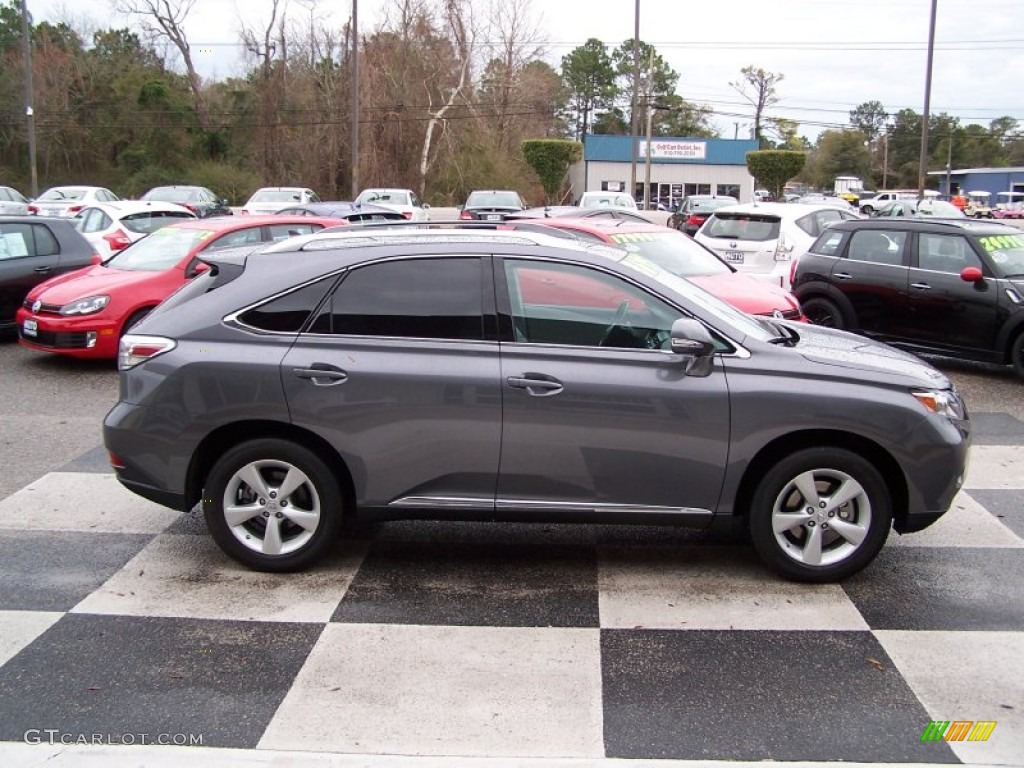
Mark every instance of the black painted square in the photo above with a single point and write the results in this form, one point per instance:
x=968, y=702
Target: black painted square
x=941, y=588
x=1006, y=504
x=55, y=570
x=463, y=584
x=96, y=460
x=125, y=675
x=996, y=429
x=716, y=695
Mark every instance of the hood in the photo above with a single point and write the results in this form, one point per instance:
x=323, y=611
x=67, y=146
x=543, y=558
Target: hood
x=753, y=296
x=842, y=349
x=90, y=281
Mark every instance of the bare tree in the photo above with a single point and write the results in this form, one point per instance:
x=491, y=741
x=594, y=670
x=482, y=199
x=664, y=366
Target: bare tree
x=165, y=19
x=758, y=88
x=263, y=47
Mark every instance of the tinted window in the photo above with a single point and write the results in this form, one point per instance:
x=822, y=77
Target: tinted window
x=827, y=244
x=945, y=253
x=46, y=243
x=247, y=236
x=417, y=298
x=567, y=304
x=742, y=226
x=815, y=223
x=880, y=247
x=288, y=313
x=284, y=231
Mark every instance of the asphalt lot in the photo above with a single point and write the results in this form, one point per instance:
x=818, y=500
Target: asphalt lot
x=557, y=666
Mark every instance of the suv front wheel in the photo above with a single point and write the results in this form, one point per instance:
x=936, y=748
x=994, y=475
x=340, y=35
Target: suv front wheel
x=272, y=505
x=820, y=515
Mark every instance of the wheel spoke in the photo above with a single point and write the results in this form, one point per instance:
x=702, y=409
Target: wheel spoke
x=292, y=481
x=812, y=547
x=307, y=520
x=849, y=490
x=806, y=485
x=250, y=475
x=852, y=532
x=272, y=536
x=787, y=521
x=238, y=514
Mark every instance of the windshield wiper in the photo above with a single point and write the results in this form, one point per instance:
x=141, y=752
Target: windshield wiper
x=784, y=335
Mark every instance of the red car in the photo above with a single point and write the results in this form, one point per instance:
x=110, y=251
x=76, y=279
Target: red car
x=84, y=313
x=681, y=255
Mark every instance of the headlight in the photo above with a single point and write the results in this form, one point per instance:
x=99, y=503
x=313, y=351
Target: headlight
x=942, y=402
x=87, y=306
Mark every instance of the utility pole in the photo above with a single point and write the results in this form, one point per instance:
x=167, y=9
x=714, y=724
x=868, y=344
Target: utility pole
x=735, y=131
x=923, y=162
x=26, y=42
x=949, y=165
x=648, y=98
x=355, y=98
x=634, y=128
x=885, y=158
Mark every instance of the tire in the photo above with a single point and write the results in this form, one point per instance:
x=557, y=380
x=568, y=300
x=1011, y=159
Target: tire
x=1017, y=354
x=825, y=312
x=135, y=319
x=286, y=532
x=831, y=541
x=867, y=210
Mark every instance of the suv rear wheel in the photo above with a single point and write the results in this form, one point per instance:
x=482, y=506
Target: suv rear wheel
x=822, y=311
x=820, y=515
x=1017, y=354
x=272, y=505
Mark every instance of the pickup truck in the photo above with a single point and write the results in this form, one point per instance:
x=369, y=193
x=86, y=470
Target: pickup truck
x=872, y=204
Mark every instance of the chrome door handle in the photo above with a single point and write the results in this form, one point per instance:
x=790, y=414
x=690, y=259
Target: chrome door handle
x=921, y=286
x=534, y=386
x=321, y=377
x=843, y=276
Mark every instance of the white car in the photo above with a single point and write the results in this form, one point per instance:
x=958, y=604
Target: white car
x=268, y=200
x=405, y=201
x=12, y=202
x=68, y=201
x=109, y=227
x=607, y=200
x=764, y=238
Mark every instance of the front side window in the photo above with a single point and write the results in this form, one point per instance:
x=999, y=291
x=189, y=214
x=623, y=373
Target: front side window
x=877, y=246
x=438, y=298
x=15, y=241
x=568, y=304
x=247, y=236
x=1006, y=253
x=284, y=231
x=161, y=250
x=945, y=253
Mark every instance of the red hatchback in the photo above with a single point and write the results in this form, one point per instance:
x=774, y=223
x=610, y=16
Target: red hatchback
x=84, y=313
x=682, y=256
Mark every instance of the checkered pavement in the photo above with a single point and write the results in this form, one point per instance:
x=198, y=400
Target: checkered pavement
x=565, y=645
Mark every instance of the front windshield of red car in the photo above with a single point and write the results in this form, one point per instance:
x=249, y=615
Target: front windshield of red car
x=672, y=251
x=161, y=250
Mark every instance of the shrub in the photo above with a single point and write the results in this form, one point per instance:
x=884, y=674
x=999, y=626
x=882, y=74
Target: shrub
x=550, y=159
x=774, y=167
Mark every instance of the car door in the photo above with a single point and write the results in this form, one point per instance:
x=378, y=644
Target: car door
x=873, y=276
x=598, y=417
x=399, y=372
x=28, y=255
x=943, y=310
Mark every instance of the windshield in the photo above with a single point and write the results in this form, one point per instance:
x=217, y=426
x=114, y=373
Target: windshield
x=711, y=304
x=63, y=193
x=393, y=196
x=146, y=222
x=171, y=195
x=488, y=199
x=275, y=196
x=939, y=208
x=1006, y=252
x=162, y=250
x=742, y=226
x=672, y=251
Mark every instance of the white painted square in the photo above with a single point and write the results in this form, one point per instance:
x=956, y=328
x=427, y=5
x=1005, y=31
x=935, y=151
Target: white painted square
x=188, y=576
x=966, y=524
x=713, y=588
x=82, y=501
x=19, y=628
x=425, y=690
x=967, y=676
x=995, y=466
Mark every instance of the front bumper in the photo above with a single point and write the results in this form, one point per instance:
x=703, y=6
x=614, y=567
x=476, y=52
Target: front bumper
x=87, y=336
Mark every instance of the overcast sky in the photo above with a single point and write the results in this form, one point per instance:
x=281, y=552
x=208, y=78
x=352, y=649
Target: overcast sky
x=834, y=54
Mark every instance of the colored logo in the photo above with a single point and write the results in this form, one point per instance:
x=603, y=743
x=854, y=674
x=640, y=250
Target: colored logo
x=958, y=730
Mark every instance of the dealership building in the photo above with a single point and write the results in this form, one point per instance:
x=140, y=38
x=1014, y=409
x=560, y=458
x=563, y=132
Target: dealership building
x=991, y=180
x=678, y=167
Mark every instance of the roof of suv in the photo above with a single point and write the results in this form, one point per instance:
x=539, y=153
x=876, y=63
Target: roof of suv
x=973, y=226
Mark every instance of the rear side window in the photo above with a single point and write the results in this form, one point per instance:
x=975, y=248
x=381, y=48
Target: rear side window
x=827, y=244
x=877, y=246
x=417, y=298
x=742, y=226
x=288, y=313
x=816, y=223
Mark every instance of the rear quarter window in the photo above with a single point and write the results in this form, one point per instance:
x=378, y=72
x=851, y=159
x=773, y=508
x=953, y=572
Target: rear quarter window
x=827, y=244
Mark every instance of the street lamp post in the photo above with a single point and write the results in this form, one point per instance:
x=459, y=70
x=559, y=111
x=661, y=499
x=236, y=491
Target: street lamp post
x=633, y=130
x=30, y=116
x=355, y=99
x=923, y=161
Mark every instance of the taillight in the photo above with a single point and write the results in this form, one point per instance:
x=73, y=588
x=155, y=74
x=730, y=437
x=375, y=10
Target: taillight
x=33, y=209
x=465, y=215
x=115, y=461
x=117, y=240
x=75, y=208
x=407, y=214
x=792, y=271
x=695, y=221
x=192, y=208
x=136, y=348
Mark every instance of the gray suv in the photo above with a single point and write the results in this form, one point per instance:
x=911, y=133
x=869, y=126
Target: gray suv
x=510, y=376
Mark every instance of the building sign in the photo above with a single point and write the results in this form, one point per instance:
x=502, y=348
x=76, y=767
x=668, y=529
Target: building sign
x=674, y=150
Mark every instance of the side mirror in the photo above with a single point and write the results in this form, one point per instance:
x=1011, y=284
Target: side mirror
x=971, y=275
x=223, y=201
x=426, y=207
x=197, y=268
x=692, y=340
